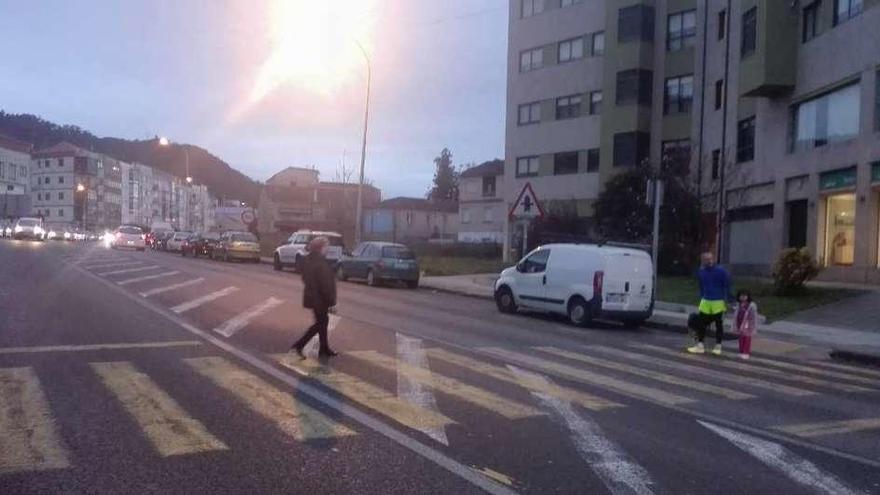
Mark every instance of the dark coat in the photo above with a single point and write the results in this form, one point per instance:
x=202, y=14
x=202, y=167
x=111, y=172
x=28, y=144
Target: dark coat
x=320, y=284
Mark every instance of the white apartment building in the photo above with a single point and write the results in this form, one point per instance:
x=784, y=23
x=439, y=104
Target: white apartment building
x=15, y=159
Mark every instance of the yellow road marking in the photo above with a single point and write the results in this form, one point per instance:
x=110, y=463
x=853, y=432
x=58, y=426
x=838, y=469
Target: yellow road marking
x=483, y=398
x=170, y=429
x=97, y=347
x=588, y=401
x=810, y=430
x=495, y=476
x=585, y=376
x=750, y=368
x=654, y=375
x=848, y=368
x=291, y=416
x=810, y=369
x=701, y=371
x=366, y=394
x=29, y=440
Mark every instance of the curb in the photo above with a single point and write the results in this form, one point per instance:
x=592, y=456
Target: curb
x=863, y=358
x=485, y=297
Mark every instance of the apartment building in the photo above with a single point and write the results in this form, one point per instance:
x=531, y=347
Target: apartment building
x=780, y=125
x=481, y=203
x=15, y=161
x=151, y=196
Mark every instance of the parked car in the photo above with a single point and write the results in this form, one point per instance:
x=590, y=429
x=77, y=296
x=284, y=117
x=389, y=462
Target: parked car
x=29, y=228
x=581, y=281
x=174, y=243
x=128, y=236
x=154, y=238
x=378, y=262
x=200, y=244
x=293, y=251
x=162, y=240
x=237, y=246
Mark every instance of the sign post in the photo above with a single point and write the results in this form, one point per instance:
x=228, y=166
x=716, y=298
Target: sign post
x=525, y=209
x=654, y=197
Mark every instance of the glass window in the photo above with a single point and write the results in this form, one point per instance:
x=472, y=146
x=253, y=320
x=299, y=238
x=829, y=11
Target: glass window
x=716, y=164
x=2, y=170
x=749, y=32
x=131, y=230
x=569, y=3
x=487, y=215
x=61, y=162
x=465, y=215
x=489, y=187
x=531, y=59
x=572, y=49
x=678, y=95
x=676, y=155
x=237, y=237
x=634, y=86
x=595, y=103
x=840, y=229
x=845, y=10
x=568, y=107
x=397, y=252
x=827, y=118
x=61, y=179
x=631, y=148
x=719, y=94
x=810, y=21
x=61, y=196
x=722, y=24
x=536, y=262
x=593, y=160
x=527, y=166
x=681, y=30
x=877, y=101
x=745, y=140
x=598, y=45
x=565, y=163
x=635, y=23
x=60, y=213
x=529, y=113
x=532, y=7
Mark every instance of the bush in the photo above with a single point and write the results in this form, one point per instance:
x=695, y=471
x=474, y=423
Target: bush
x=487, y=250
x=792, y=269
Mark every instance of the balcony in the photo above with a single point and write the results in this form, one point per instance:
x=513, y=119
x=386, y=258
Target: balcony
x=768, y=59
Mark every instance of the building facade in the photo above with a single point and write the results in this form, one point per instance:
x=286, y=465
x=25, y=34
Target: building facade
x=482, y=211
x=15, y=164
x=411, y=220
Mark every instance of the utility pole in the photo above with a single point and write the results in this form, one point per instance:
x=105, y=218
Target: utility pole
x=360, y=194
x=655, y=198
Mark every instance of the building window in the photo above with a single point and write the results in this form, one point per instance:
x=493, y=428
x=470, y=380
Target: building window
x=568, y=107
x=61, y=162
x=631, y=148
x=39, y=196
x=827, y=118
x=681, y=30
x=489, y=187
x=487, y=215
x=840, y=229
x=46, y=179
x=716, y=164
x=749, y=32
x=635, y=23
x=47, y=163
x=745, y=140
x=532, y=7
x=877, y=101
x=810, y=20
x=61, y=196
x=845, y=10
x=598, y=44
x=722, y=24
x=22, y=172
x=565, y=163
x=634, y=86
x=595, y=103
x=593, y=160
x=409, y=218
x=531, y=59
x=572, y=49
x=569, y=3
x=465, y=215
x=676, y=155
x=2, y=170
x=61, y=213
x=719, y=94
x=527, y=166
x=61, y=179
x=530, y=113
x=678, y=95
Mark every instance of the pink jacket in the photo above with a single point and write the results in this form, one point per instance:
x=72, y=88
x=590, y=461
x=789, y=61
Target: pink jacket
x=749, y=323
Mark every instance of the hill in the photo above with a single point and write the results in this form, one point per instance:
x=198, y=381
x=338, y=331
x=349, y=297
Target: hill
x=222, y=180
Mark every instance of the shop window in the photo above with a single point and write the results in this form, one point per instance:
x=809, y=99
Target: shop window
x=840, y=229
x=827, y=118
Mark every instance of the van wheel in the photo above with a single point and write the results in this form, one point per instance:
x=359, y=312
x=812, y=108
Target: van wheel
x=276, y=263
x=505, y=301
x=578, y=312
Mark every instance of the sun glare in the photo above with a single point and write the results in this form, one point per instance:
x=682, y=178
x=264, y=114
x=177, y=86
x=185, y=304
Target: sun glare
x=315, y=45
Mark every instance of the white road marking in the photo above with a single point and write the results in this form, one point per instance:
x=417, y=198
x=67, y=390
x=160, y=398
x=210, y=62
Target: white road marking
x=199, y=301
x=113, y=264
x=311, y=348
x=129, y=270
x=778, y=457
x=146, y=277
x=233, y=325
x=96, y=347
x=160, y=290
x=617, y=471
x=411, y=352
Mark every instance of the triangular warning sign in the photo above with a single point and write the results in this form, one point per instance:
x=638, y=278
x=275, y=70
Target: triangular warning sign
x=526, y=205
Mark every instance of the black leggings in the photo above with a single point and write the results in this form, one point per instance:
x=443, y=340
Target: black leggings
x=319, y=329
x=706, y=321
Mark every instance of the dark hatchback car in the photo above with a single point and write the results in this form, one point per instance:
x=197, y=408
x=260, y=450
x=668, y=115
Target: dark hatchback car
x=378, y=262
x=200, y=244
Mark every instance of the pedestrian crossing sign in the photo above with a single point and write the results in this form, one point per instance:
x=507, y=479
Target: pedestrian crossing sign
x=526, y=206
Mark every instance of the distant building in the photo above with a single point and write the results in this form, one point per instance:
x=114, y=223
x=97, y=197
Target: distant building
x=411, y=220
x=15, y=160
x=482, y=210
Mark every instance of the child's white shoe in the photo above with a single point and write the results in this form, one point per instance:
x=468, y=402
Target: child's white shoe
x=697, y=348
x=743, y=356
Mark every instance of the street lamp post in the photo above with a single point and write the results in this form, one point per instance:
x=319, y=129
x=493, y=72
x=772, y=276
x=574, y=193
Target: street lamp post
x=360, y=194
x=80, y=188
x=163, y=141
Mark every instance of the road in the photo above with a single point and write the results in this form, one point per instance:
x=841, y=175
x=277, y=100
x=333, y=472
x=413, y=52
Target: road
x=149, y=372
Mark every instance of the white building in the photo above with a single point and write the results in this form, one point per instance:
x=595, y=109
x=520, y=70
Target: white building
x=15, y=159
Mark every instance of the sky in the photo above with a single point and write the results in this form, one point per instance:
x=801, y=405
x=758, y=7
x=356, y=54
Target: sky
x=266, y=84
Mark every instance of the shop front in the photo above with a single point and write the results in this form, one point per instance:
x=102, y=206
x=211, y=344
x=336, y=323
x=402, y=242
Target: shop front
x=838, y=195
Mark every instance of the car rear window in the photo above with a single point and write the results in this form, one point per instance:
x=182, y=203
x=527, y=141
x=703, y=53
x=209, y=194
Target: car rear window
x=397, y=252
x=244, y=237
x=131, y=230
x=28, y=222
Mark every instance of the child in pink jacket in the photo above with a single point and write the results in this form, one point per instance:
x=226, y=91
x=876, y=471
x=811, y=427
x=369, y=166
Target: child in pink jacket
x=746, y=322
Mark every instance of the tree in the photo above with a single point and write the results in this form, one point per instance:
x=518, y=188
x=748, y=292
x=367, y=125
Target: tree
x=445, y=178
x=344, y=173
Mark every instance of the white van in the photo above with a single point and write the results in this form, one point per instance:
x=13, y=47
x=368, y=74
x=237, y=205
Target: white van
x=581, y=281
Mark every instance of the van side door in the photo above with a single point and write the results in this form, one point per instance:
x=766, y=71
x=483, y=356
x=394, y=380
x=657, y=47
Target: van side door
x=531, y=278
x=558, y=280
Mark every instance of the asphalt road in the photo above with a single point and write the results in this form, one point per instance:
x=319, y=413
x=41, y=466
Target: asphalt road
x=149, y=372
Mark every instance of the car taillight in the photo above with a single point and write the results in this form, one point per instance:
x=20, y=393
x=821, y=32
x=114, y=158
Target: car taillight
x=598, y=279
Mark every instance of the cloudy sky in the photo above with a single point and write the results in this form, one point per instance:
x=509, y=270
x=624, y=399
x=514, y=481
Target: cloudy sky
x=269, y=83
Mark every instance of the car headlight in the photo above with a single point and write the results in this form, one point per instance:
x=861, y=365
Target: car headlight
x=18, y=229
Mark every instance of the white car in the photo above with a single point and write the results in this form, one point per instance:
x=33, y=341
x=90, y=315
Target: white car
x=29, y=228
x=582, y=282
x=128, y=236
x=176, y=242
x=293, y=251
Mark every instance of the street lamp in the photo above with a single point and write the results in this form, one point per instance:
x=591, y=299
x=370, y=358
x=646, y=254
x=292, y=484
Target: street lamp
x=80, y=188
x=360, y=195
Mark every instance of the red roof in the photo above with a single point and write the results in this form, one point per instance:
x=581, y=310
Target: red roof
x=15, y=145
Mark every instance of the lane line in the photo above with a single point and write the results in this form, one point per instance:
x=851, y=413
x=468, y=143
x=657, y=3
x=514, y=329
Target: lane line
x=97, y=347
x=583, y=399
x=654, y=375
x=129, y=270
x=619, y=473
x=586, y=376
x=160, y=290
x=290, y=415
x=233, y=325
x=704, y=372
x=164, y=422
x=199, y=301
x=848, y=368
x=411, y=352
x=147, y=277
x=824, y=428
x=485, y=399
x=778, y=457
x=311, y=348
x=113, y=264
x=816, y=371
x=29, y=439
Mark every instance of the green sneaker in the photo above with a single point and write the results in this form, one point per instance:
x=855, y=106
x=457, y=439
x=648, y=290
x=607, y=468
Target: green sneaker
x=697, y=348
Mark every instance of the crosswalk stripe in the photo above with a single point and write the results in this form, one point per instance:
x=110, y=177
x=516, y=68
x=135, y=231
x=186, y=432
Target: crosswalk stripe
x=146, y=277
x=365, y=394
x=29, y=439
x=739, y=366
x=654, y=375
x=483, y=398
x=589, y=377
x=199, y=301
x=170, y=429
x=129, y=270
x=812, y=370
x=96, y=347
x=411, y=351
x=583, y=399
x=810, y=430
x=113, y=264
x=847, y=368
x=160, y=290
x=296, y=419
x=705, y=372
x=233, y=325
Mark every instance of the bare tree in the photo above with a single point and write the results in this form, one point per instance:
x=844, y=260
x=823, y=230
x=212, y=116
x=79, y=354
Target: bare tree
x=343, y=173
